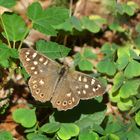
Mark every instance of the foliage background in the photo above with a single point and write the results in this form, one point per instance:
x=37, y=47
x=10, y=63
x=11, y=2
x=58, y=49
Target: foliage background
x=100, y=38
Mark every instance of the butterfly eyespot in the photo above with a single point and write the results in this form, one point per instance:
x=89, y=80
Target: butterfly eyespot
x=34, y=86
x=58, y=102
x=41, y=95
x=37, y=91
x=64, y=103
x=69, y=102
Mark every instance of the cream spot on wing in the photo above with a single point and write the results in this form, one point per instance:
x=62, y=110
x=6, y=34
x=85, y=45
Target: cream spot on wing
x=32, y=68
x=86, y=86
x=35, y=72
x=46, y=62
x=79, y=92
x=41, y=59
x=99, y=85
x=28, y=59
x=68, y=94
x=27, y=53
x=92, y=81
x=79, y=78
x=34, y=81
x=73, y=100
x=41, y=70
x=94, y=89
x=84, y=92
x=35, y=62
x=84, y=79
x=41, y=82
x=34, y=55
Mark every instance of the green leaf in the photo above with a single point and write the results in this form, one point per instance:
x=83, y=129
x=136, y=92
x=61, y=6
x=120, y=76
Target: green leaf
x=137, y=41
x=90, y=25
x=109, y=49
x=89, y=54
x=6, y=54
x=110, y=137
x=137, y=118
x=35, y=136
x=132, y=69
x=106, y=66
x=98, y=20
x=26, y=117
x=5, y=135
x=50, y=127
x=137, y=28
x=117, y=81
x=88, y=136
x=85, y=65
x=123, y=57
x=13, y=33
x=130, y=8
x=76, y=23
x=46, y=20
x=133, y=132
x=7, y=3
x=114, y=97
x=136, y=106
x=52, y=49
x=89, y=121
x=129, y=88
x=116, y=27
x=67, y=131
x=82, y=60
x=125, y=105
x=70, y=24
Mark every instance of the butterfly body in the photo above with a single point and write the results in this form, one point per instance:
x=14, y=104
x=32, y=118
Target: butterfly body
x=50, y=81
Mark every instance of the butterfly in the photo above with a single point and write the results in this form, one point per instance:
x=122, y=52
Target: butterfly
x=50, y=81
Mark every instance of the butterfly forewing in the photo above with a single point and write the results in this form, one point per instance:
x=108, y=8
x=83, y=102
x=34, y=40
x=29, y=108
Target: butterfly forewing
x=36, y=63
x=43, y=71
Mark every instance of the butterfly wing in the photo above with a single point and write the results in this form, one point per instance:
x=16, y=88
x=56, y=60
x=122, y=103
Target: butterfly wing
x=64, y=98
x=75, y=86
x=44, y=73
x=36, y=63
x=42, y=86
x=84, y=86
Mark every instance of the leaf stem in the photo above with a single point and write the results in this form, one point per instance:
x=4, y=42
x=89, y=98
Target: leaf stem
x=23, y=39
x=5, y=32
